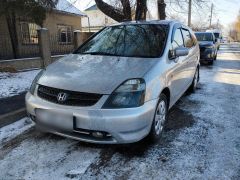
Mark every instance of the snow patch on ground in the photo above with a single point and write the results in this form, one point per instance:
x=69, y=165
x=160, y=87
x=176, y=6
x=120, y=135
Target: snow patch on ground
x=14, y=83
x=13, y=130
x=47, y=156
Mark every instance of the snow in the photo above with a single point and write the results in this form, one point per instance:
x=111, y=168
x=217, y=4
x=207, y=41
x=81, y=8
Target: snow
x=43, y=156
x=14, y=83
x=201, y=141
x=64, y=5
x=11, y=131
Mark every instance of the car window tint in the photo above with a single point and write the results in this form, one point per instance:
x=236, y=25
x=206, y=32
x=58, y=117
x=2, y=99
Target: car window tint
x=177, y=39
x=188, y=42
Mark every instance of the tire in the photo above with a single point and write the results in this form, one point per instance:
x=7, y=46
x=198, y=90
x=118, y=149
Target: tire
x=159, y=120
x=215, y=57
x=195, y=81
x=210, y=62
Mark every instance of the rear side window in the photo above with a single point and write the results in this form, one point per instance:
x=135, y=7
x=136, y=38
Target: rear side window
x=188, y=41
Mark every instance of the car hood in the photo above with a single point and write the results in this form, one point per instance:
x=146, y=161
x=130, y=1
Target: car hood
x=94, y=74
x=205, y=43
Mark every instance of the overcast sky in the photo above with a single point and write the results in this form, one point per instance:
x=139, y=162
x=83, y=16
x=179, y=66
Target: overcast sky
x=224, y=10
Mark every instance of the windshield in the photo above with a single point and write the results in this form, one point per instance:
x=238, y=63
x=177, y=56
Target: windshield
x=217, y=35
x=142, y=40
x=204, y=36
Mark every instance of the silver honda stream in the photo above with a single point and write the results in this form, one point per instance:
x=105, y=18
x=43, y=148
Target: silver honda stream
x=119, y=85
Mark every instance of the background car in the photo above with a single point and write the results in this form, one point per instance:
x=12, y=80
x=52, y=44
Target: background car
x=218, y=36
x=208, y=46
x=119, y=85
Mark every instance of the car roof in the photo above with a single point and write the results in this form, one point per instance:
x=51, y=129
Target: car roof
x=203, y=32
x=164, y=22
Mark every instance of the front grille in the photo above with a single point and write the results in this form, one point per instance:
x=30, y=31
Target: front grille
x=202, y=49
x=73, y=98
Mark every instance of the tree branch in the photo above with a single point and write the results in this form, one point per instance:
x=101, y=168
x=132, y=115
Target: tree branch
x=110, y=11
x=126, y=9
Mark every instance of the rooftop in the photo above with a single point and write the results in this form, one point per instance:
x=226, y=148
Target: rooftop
x=93, y=7
x=65, y=6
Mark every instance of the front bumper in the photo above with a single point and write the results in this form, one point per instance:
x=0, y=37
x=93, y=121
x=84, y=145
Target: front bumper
x=207, y=55
x=122, y=125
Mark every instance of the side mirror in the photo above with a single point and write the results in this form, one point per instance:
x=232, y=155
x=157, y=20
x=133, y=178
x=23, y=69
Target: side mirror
x=181, y=51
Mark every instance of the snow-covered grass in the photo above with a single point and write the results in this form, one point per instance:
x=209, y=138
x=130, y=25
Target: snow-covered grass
x=14, y=83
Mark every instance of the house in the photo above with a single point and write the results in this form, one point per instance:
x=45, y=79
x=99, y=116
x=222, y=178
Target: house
x=61, y=22
x=96, y=19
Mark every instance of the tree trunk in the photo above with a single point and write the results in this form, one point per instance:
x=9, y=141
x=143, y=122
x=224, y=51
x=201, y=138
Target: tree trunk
x=11, y=23
x=141, y=10
x=126, y=10
x=161, y=9
x=110, y=11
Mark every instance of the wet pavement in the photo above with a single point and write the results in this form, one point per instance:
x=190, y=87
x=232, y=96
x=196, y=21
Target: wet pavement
x=201, y=140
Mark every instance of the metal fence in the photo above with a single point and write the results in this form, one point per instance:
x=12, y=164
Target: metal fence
x=26, y=44
x=61, y=43
x=27, y=48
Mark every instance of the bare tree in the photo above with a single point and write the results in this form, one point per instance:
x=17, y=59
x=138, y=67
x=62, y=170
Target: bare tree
x=126, y=10
x=161, y=9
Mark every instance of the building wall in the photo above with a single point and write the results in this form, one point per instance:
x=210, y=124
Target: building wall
x=53, y=19
x=97, y=20
x=52, y=22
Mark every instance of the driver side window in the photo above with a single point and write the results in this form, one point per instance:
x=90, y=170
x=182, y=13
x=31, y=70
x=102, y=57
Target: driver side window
x=177, y=42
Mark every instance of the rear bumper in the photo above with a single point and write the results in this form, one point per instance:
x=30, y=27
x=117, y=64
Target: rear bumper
x=122, y=125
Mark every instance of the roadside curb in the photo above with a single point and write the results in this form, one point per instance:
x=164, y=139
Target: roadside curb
x=12, y=117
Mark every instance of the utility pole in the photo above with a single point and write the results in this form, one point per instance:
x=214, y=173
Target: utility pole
x=211, y=16
x=189, y=12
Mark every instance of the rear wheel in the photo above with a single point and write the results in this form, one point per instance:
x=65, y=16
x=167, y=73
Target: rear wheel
x=160, y=118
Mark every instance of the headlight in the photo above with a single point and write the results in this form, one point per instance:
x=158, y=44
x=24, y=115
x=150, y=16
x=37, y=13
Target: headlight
x=34, y=83
x=129, y=94
x=209, y=47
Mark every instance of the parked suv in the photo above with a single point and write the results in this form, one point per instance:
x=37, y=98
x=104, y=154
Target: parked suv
x=208, y=46
x=119, y=85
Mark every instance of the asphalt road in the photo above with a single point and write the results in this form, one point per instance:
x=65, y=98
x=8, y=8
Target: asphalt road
x=201, y=140
x=12, y=103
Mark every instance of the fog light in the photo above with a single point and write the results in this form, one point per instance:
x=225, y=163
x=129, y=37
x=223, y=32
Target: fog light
x=98, y=134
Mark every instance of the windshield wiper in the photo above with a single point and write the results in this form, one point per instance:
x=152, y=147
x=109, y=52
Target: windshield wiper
x=100, y=53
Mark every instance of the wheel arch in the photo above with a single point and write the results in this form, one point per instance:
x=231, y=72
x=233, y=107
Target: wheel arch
x=167, y=93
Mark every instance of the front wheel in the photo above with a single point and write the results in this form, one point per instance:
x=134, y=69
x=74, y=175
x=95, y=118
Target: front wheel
x=215, y=57
x=160, y=118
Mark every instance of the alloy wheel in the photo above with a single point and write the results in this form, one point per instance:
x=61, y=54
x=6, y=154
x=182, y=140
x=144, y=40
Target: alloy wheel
x=160, y=117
